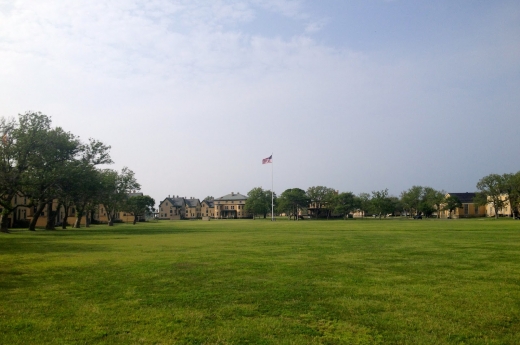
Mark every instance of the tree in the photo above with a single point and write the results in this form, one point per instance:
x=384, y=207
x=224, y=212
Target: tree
x=344, y=203
x=397, y=204
x=432, y=201
x=114, y=190
x=319, y=196
x=139, y=205
x=22, y=142
x=258, y=202
x=89, y=183
x=364, y=203
x=451, y=203
x=491, y=188
x=381, y=203
x=209, y=198
x=291, y=200
x=272, y=199
x=512, y=188
x=47, y=166
x=412, y=199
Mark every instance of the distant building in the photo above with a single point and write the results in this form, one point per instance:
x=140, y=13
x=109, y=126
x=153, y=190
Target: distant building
x=469, y=208
x=172, y=208
x=207, y=208
x=231, y=206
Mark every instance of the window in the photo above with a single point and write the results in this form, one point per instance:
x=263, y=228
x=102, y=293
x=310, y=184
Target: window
x=466, y=209
x=476, y=209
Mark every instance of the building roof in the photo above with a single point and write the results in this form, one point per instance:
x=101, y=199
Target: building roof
x=210, y=203
x=232, y=196
x=176, y=202
x=192, y=202
x=465, y=198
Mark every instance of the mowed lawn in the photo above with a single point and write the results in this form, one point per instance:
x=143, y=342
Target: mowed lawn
x=261, y=282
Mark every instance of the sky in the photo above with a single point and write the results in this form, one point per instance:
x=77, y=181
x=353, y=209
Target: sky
x=357, y=95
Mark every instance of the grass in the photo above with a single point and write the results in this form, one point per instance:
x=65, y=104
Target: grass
x=259, y=282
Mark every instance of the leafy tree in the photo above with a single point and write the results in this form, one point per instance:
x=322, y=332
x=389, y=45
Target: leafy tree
x=319, y=197
x=512, y=188
x=364, y=203
x=432, y=201
x=209, y=198
x=272, y=200
x=397, y=205
x=139, y=205
x=46, y=167
x=291, y=200
x=451, y=204
x=381, y=203
x=22, y=142
x=412, y=199
x=115, y=188
x=491, y=188
x=258, y=202
x=344, y=203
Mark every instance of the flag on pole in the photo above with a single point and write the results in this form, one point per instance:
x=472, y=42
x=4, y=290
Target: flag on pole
x=267, y=160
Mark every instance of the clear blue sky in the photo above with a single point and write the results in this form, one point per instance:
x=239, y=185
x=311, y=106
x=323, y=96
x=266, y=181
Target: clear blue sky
x=353, y=95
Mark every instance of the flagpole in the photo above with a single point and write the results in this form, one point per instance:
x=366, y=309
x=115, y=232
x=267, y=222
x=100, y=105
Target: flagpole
x=272, y=190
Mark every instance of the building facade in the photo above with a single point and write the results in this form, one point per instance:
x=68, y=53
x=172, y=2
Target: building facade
x=231, y=206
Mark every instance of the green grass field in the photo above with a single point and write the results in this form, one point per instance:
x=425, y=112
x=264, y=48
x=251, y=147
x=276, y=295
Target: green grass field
x=262, y=282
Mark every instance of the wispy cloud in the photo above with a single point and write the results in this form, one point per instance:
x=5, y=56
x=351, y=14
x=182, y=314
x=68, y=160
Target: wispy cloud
x=189, y=72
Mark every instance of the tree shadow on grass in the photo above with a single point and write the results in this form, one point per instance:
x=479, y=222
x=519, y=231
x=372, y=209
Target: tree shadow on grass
x=46, y=245
x=105, y=230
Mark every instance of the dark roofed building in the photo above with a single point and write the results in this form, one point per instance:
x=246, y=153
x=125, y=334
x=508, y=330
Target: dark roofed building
x=469, y=208
x=172, y=208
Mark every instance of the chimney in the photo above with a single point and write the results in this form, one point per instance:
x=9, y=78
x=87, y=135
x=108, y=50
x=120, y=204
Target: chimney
x=232, y=193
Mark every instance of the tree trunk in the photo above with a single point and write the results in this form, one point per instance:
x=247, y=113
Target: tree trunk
x=65, y=217
x=88, y=219
x=77, y=223
x=135, y=219
x=51, y=217
x=110, y=218
x=79, y=216
x=34, y=220
x=4, y=227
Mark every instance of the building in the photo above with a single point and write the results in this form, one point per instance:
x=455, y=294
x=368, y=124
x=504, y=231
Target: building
x=504, y=211
x=192, y=208
x=469, y=208
x=172, y=208
x=231, y=206
x=207, y=208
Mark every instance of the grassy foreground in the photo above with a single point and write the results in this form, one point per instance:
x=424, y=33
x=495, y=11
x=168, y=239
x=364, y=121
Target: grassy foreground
x=262, y=282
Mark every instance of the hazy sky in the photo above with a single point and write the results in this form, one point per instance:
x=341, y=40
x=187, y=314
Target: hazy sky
x=354, y=95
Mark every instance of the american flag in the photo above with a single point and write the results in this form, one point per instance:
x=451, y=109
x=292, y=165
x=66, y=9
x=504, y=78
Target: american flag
x=267, y=160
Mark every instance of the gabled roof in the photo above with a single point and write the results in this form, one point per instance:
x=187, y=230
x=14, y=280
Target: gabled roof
x=210, y=203
x=192, y=202
x=176, y=202
x=232, y=196
x=465, y=198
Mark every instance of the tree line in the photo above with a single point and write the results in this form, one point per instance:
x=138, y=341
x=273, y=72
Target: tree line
x=41, y=164
x=321, y=201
